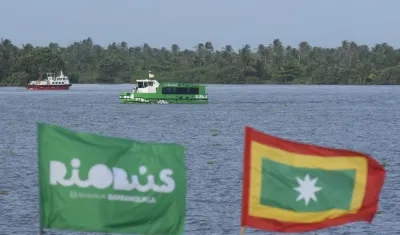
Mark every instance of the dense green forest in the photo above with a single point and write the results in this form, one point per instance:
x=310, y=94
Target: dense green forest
x=87, y=62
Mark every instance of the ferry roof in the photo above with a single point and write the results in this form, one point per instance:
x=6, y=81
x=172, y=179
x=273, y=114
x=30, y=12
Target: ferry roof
x=186, y=84
x=146, y=80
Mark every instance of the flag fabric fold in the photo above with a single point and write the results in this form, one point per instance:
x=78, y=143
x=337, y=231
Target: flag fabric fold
x=95, y=183
x=296, y=187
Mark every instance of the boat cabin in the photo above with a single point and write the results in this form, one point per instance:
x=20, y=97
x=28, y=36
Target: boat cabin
x=146, y=86
x=52, y=79
x=149, y=85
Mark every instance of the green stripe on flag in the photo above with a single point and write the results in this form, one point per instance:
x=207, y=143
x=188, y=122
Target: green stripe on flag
x=305, y=189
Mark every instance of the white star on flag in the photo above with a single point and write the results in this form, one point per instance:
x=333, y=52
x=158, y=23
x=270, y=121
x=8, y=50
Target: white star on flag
x=307, y=189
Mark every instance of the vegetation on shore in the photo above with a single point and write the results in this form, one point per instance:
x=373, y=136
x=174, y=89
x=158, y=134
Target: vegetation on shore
x=86, y=62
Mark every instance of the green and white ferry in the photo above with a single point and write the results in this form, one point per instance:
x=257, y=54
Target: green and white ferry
x=150, y=91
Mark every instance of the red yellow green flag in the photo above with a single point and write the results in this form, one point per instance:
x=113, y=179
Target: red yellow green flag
x=295, y=187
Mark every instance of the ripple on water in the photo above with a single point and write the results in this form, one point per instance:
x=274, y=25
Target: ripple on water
x=364, y=118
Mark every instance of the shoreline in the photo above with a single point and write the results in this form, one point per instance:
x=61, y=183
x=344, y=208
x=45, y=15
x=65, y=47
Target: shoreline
x=292, y=84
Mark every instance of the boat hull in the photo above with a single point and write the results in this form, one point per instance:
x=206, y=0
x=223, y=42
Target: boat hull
x=126, y=98
x=48, y=87
x=164, y=101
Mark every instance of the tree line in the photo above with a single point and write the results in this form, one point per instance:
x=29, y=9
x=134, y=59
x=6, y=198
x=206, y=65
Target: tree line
x=87, y=62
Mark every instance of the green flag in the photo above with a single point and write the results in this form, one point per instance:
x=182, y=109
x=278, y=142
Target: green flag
x=95, y=183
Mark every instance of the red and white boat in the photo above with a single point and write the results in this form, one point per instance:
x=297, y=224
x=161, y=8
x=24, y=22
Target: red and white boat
x=50, y=83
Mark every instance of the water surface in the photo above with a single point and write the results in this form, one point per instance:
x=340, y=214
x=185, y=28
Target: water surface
x=363, y=118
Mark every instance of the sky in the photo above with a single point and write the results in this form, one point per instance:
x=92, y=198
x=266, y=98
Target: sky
x=159, y=23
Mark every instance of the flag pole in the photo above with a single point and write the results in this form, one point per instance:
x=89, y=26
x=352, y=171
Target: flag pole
x=241, y=230
x=41, y=232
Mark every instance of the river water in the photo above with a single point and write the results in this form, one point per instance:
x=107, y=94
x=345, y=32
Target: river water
x=363, y=118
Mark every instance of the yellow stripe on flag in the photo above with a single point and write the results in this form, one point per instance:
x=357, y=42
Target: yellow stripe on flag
x=260, y=151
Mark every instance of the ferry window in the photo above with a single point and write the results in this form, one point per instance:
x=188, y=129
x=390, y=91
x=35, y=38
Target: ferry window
x=62, y=82
x=181, y=90
x=194, y=90
x=142, y=84
x=150, y=83
x=168, y=90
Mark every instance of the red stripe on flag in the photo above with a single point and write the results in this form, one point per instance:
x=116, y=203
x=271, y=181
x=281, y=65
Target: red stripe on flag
x=375, y=181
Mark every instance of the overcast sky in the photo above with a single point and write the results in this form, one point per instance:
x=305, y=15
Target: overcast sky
x=187, y=22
